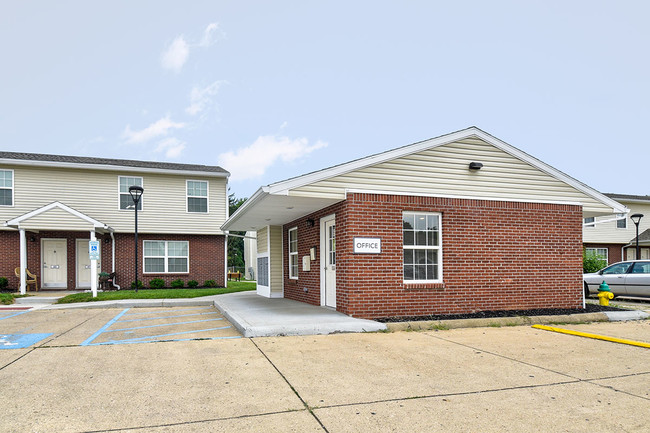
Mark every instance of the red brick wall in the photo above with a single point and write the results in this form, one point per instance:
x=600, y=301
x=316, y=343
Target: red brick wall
x=614, y=251
x=496, y=256
x=206, y=256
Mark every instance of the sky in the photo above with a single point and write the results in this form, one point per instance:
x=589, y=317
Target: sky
x=270, y=90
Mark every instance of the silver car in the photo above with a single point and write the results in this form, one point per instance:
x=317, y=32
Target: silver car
x=631, y=278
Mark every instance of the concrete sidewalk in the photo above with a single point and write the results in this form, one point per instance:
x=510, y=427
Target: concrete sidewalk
x=256, y=316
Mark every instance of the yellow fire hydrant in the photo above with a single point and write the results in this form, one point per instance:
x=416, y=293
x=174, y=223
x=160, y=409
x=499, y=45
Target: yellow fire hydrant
x=604, y=294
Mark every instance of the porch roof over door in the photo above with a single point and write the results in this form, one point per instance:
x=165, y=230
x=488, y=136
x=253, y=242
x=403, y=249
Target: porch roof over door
x=57, y=216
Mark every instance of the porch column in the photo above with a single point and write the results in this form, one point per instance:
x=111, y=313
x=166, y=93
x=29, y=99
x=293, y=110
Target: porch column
x=23, y=261
x=93, y=269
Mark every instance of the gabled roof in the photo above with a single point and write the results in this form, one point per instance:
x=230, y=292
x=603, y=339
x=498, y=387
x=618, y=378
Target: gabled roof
x=262, y=199
x=628, y=197
x=36, y=159
x=98, y=225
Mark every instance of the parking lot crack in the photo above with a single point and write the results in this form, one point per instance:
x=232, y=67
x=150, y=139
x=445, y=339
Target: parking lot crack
x=309, y=408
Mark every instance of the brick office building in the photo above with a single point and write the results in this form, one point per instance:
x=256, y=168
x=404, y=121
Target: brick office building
x=459, y=223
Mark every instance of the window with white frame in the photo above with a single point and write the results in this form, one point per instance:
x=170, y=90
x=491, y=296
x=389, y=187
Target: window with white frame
x=126, y=201
x=602, y=253
x=422, y=247
x=293, y=253
x=197, y=196
x=622, y=222
x=6, y=187
x=589, y=222
x=166, y=257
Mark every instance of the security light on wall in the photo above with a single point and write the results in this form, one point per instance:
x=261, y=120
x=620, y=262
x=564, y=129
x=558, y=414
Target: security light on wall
x=475, y=165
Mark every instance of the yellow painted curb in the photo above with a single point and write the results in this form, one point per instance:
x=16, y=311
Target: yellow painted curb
x=596, y=336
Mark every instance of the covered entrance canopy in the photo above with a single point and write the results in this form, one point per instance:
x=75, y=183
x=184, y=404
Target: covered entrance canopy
x=55, y=216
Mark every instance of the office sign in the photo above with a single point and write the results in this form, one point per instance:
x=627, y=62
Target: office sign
x=367, y=245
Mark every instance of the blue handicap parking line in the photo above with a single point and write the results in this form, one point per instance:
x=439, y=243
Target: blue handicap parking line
x=158, y=312
x=165, y=324
x=20, y=341
x=153, y=338
x=14, y=314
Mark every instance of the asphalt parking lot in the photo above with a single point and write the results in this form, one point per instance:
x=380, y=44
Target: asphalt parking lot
x=184, y=369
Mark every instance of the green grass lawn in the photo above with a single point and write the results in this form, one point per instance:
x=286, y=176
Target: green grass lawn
x=233, y=286
x=8, y=298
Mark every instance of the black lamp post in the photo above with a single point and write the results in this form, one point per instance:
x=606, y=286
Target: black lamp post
x=136, y=193
x=636, y=218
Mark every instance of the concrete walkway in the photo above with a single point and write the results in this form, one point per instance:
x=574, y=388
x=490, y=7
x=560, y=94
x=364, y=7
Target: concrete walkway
x=256, y=316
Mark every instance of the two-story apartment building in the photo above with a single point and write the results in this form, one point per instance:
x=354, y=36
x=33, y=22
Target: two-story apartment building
x=52, y=205
x=614, y=237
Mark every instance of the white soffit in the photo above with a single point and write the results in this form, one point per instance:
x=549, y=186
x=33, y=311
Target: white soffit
x=264, y=209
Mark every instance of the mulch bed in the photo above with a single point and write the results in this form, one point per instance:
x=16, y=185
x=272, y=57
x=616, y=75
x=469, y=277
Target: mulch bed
x=591, y=308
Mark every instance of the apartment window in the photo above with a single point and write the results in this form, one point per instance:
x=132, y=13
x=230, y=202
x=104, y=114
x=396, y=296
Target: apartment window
x=6, y=187
x=422, y=247
x=197, y=196
x=622, y=223
x=589, y=222
x=126, y=201
x=602, y=253
x=166, y=257
x=293, y=253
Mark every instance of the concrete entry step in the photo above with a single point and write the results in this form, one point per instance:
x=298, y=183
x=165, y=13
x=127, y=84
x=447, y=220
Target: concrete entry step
x=257, y=316
x=40, y=300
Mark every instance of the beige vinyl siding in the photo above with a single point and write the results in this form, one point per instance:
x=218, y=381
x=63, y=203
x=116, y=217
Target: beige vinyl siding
x=608, y=233
x=276, y=276
x=263, y=241
x=95, y=194
x=443, y=170
x=57, y=219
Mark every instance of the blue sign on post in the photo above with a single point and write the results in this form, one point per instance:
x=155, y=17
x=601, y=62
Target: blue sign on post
x=93, y=250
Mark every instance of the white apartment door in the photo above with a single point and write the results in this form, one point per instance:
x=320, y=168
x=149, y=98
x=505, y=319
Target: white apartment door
x=328, y=236
x=83, y=264
x=55, y=263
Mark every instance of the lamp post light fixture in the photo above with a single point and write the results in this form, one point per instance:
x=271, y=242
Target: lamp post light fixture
x=136, y=193
x=636, y=218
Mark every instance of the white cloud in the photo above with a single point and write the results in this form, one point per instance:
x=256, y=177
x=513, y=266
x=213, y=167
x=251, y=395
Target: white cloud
x=253, y=161
x=172, y=147
x=156, y=129
x=284, y=124
x=200, y=99
x=176, y=54
x=210, y=35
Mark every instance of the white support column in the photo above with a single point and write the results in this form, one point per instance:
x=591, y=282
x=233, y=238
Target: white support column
x=23, y=261
x=93, y=269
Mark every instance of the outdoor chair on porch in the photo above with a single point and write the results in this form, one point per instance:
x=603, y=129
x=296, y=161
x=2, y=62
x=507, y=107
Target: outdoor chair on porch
x=29, y=280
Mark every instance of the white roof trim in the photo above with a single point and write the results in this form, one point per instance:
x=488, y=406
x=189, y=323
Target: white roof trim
x=283, y=187
x=16, y=221
x=464, y=197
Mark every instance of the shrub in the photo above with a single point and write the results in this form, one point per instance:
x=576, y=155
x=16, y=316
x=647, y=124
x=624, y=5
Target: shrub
x=192, y=284
x=4, y=282
x=157, y=283
x=177, y=284
x=140, y=285
x=210, y=283
x=592, y=262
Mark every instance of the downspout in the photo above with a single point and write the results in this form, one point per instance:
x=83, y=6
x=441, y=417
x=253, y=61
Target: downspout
x=113, y=255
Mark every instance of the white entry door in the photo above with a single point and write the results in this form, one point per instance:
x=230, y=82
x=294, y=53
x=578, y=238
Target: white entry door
x=328, y=238
x=55, y=263
x=83, y=264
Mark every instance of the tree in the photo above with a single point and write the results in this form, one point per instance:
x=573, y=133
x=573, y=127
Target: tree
x=235, y=243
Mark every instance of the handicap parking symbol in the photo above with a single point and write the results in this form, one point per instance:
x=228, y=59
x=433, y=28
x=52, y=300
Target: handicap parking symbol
x=20, y=341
